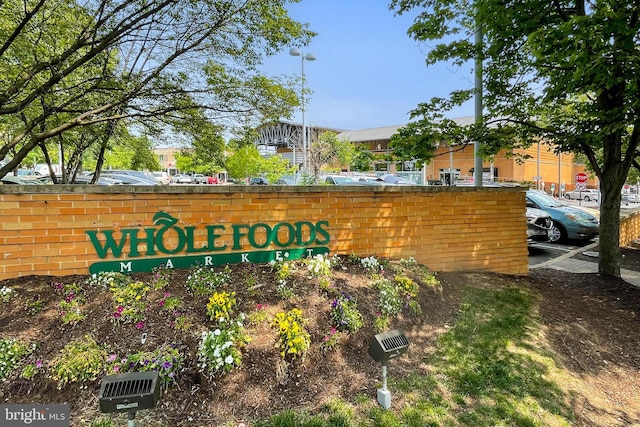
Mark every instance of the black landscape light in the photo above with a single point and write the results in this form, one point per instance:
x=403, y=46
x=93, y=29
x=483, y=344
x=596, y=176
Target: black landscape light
x=130, y=393
x=384, y=347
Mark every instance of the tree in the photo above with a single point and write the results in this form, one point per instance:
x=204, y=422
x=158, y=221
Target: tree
x=275, y=167
x=362, y=158
x=566, y=72
x=328, y=149
x=152, y=64
x=245, y=162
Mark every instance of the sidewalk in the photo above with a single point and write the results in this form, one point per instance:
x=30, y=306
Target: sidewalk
x=566, y=262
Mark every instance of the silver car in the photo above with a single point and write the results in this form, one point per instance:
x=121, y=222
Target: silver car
x=538, y=225
x=586, y=195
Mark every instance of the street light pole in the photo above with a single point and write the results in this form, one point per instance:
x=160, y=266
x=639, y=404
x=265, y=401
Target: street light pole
x=309, y=57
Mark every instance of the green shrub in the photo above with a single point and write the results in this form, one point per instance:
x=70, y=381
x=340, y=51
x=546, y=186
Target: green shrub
x=78, y=361
x=203, y=280
x=220, y=350
x=11, y=352
x=293, y=338
x=344, y=314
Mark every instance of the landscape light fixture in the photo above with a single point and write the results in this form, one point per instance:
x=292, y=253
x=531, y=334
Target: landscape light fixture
x=129, y=392
x=309, y=57
x=382, y=348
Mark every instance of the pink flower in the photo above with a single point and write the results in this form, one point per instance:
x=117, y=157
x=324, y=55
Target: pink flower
x=116, y=315
x=120, y=309
x=333, y=331
x=111, y=358
x=38, y=364
x=116, y=368
x=140, y=325
x=167, y=294
x=161, y=303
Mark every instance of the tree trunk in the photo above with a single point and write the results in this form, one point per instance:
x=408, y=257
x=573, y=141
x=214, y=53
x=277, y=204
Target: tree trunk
x=609, y=247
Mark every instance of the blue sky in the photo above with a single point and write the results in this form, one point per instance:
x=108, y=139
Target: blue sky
x=368, y=72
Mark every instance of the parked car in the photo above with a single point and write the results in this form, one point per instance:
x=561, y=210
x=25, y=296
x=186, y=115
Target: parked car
x=28, y=172
x=162, y=177
x=569, y=222
x=630, y=198
x=368, y=179
x=19, y=180
x=286, y=181
x=337, y=180
x=586, y=195
x=131, y=179
x=81, y=179
x=198, y=178
x=181, y=179
x=140, y=174
x=538, y=225
x=259, y=181
x=396, y=180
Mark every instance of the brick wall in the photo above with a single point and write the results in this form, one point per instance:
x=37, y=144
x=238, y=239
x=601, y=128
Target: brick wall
x=629, y=228
x=43, y=228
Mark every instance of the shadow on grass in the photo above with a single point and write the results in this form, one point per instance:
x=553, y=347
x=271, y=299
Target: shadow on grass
x=492, y=368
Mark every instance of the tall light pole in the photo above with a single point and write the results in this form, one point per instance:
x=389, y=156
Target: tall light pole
x=309, y=57
x=478, y=164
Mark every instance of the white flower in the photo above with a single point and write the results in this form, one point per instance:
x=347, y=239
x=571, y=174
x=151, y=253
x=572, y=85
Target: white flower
x=216, y=332
x=229, y=360
x=216, y=353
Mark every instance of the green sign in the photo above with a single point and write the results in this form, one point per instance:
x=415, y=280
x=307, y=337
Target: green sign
x=142, y=249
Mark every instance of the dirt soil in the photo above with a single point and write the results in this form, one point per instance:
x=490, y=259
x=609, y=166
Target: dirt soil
x=591, y=322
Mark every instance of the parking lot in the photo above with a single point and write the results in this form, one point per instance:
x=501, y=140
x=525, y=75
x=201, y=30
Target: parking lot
x=542, y=252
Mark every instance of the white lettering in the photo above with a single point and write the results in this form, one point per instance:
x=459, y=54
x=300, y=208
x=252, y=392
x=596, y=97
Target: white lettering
x=309, y=252
x=245, y=258
x=279, y=256
x=125, y=266
x=26, y=417
x=169, y=263
x=208, y=260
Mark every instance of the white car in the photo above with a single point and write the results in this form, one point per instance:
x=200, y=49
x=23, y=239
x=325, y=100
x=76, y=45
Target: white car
x=163, y=177
x=181, y=179
x=587, y=195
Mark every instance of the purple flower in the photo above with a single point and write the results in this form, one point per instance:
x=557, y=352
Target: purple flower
x=167, y=365
x=38, y=364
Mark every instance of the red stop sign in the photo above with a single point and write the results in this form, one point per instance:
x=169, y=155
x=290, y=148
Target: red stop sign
x=581, y=177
